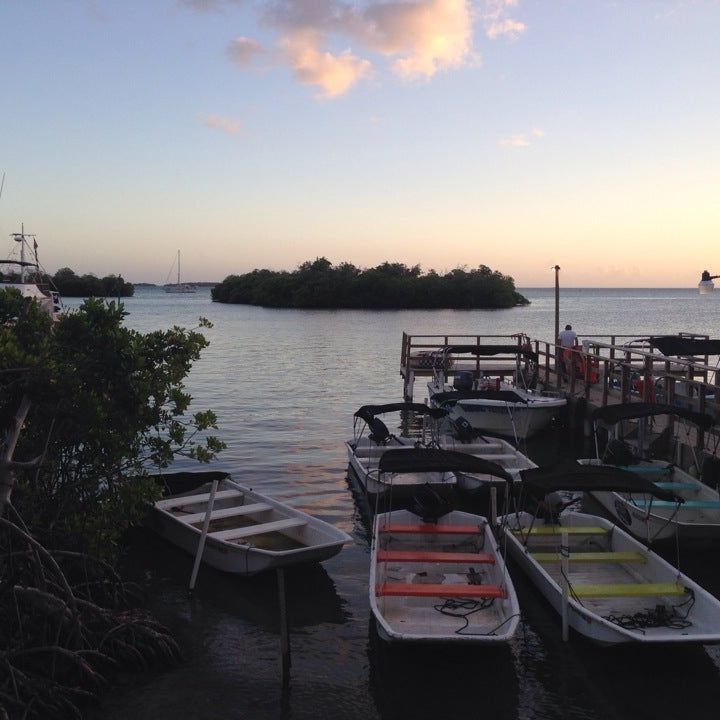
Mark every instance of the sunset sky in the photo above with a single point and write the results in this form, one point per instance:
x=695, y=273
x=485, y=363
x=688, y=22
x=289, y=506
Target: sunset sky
x=512, y=133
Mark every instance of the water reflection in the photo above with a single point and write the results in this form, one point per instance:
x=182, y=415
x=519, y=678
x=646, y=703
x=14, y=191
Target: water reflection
x=424, y=681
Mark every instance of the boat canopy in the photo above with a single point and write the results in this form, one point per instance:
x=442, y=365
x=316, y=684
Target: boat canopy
x=676, y=345
x=589, y=478
x=452, y=396
x=435, y=460
x=611, y=414
x=368, y=412
x=491, y=350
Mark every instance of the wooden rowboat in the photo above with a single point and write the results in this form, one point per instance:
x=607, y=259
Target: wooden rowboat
x=248, y=532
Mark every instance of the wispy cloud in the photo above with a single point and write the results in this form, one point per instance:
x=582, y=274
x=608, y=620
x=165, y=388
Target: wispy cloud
x=497, y=23
x=227, y=125
x=243, y=51
x=523, y=139
x=205, y=6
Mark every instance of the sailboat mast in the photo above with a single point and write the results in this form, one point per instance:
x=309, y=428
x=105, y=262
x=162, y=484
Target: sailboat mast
x=178, y=282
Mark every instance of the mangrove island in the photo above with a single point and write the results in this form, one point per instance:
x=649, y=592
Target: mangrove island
x=319, y=284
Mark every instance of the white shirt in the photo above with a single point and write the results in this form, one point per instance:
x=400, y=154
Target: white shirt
x=568, y=338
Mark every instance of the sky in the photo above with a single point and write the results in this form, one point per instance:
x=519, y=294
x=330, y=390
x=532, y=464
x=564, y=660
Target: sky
x=518, y=134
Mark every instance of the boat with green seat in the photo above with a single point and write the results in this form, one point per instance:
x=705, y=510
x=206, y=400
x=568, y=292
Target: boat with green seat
x=611, y=588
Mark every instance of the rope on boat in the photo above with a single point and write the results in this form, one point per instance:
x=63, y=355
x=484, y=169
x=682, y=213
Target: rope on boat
x=657, y=617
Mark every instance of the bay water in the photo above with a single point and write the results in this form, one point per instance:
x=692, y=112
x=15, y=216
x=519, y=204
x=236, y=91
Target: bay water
x=284, y=385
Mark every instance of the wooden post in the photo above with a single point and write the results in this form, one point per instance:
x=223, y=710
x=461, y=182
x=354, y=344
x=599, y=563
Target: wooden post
x=565, y=566
x=284, y=631
x=203, y=535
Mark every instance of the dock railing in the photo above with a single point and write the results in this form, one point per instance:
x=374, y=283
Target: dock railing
x=604, y=369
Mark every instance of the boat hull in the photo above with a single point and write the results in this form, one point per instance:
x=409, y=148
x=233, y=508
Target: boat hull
x=659, y=521
x=642, y=568
x=363, y=457
x=418, y=581
x=306, y=539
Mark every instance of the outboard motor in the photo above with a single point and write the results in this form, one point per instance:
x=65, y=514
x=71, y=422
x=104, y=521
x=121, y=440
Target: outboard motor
x=463, y=430
x=618, y=452
x=379, y=432
x=429, y=505
x=463, y=380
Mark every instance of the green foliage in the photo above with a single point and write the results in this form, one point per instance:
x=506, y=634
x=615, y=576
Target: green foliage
x=319, y=284
x=71, y=285
x=108, y=407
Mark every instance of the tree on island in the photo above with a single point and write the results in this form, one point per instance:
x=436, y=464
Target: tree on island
x=89, y=409
x=71, y=285
x=319, y=284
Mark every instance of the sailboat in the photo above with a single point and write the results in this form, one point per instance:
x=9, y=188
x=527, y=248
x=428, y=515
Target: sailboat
x=179, y=287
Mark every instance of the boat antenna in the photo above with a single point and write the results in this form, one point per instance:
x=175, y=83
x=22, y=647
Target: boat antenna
x=2, y=185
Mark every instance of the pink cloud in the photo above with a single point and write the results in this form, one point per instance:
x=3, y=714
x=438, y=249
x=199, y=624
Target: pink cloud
x=231, y=127
x=333, y=74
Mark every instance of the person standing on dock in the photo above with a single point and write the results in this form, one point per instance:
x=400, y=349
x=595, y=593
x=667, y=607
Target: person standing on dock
x=567, y=340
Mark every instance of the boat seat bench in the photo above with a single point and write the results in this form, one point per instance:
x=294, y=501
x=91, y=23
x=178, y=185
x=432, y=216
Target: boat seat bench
x=676, y=485
x=250, y=530
x=182, y=500
x=431, y=529
x=618, y=590
x=689, y=504
x=439, y=590
x=434, y=556
x=595, y=557
x=219, y=513
x=649, y=469
x=558, y=530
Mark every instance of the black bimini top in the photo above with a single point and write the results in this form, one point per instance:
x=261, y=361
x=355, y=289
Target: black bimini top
x=611, y=414
x=491, y=350
x=368, y=412
x=676, y=345
x=434, y=460
x=452, y=396
x=573, y=476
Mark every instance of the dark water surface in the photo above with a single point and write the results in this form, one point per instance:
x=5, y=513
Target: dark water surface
x=285, y=385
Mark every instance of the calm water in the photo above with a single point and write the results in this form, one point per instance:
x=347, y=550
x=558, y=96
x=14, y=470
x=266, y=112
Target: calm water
x=284, y=385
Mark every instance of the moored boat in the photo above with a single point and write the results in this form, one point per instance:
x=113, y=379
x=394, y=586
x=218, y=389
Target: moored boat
x=179, y=287
x=372, y=439
x=248, y=532
x=697, y=517
x=608, y=586
x=492, y=405
x=29, y=280
x=437, y=576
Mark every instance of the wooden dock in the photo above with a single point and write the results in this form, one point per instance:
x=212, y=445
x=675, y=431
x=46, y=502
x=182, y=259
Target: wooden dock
x=603, y=370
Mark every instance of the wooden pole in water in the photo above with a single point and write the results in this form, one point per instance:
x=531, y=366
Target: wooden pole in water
x=565, y=584
x=203, y=535
x=284, y=632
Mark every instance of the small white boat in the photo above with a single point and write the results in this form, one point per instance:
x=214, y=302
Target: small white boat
x=440, y=579
x=248, y=532
x=696, y=517
x=494, y=449
x=607, y=585
x=372, y=440
x=178, y=287
x=492, y=405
